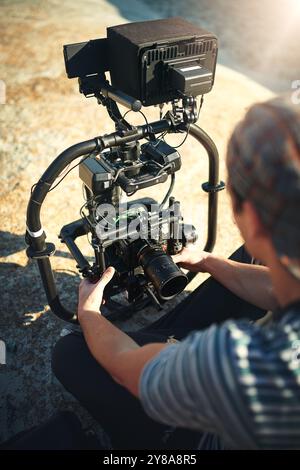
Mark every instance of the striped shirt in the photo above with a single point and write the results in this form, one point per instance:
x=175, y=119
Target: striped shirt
x=238, y=382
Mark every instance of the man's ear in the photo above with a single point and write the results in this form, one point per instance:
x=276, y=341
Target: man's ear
x=252, y=223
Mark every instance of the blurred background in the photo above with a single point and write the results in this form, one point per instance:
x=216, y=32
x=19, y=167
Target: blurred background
x=42, y=113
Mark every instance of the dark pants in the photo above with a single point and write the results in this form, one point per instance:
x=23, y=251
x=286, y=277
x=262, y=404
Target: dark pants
x=119, y=412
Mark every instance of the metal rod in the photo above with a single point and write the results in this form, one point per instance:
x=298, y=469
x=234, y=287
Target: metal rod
x=213, y=179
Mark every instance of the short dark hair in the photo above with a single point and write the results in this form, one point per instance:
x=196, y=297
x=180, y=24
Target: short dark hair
x=237, y=198
x=263, y=162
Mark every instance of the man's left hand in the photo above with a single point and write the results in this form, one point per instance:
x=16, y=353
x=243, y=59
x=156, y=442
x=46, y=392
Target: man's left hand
x=90, y=295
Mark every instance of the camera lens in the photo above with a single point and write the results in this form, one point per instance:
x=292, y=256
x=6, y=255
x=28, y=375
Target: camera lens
x=159, y=268
x=173, y=286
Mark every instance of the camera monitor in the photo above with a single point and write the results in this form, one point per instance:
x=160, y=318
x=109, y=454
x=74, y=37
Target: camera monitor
x=152, y=61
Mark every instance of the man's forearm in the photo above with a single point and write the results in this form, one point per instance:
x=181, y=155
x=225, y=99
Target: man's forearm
x=122, y=357
x=251, y=283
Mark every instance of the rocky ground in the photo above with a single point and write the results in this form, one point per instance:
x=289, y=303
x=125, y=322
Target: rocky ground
x=44, y=114
x=256, y=37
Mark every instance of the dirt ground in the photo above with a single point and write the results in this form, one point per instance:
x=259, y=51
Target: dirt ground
x=43, y=115
x=256, y=37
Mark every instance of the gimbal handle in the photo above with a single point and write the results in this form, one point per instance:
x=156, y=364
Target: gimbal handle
x=116, y=95
x=35, y=236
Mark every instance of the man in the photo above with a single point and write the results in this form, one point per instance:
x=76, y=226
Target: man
x=236, y=383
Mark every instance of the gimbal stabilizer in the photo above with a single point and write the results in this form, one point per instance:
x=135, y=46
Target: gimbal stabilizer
x=114, y=163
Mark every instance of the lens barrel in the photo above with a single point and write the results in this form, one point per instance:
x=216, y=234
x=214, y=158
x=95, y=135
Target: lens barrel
x=167, y=279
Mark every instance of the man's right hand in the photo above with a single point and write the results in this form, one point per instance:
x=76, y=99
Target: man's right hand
x=192, y=258
x=250, y=282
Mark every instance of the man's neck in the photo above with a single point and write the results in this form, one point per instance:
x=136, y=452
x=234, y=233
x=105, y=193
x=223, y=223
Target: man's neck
x=286, y=287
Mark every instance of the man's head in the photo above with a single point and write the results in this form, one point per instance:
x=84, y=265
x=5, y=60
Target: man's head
x=263, y=162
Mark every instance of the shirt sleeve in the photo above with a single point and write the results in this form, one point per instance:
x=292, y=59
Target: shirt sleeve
x=238, y=381
x=193, y=384
x=174, y=388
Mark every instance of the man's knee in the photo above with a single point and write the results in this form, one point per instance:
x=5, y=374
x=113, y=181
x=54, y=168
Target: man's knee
x=65, y=357
x=77, y=370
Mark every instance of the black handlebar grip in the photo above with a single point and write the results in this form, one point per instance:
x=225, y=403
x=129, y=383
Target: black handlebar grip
x=121, y=98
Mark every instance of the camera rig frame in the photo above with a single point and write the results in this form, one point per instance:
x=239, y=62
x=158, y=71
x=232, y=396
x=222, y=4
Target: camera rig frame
x=41, y=250
x=181, y=118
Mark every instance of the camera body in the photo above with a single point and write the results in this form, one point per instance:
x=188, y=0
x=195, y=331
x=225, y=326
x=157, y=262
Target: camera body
x=138, y=236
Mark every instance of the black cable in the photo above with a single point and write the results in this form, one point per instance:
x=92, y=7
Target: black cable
x=168, y=192
x=176, y=147
x=86, y=204
x=66, y=174
x=188, y=127
x=35, y=184
x=45, y=182
x=145, y=118
x=201, y=103
x=140, y=112
x=185, y=137
x=112, y=114
x=84, y=217
x=160, y=137
x=32, y=188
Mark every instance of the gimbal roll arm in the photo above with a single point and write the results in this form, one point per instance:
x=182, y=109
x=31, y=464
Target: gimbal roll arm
x=212, y=187
x=35, y=236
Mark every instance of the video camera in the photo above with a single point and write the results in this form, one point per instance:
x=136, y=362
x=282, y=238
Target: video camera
x=150, y=63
